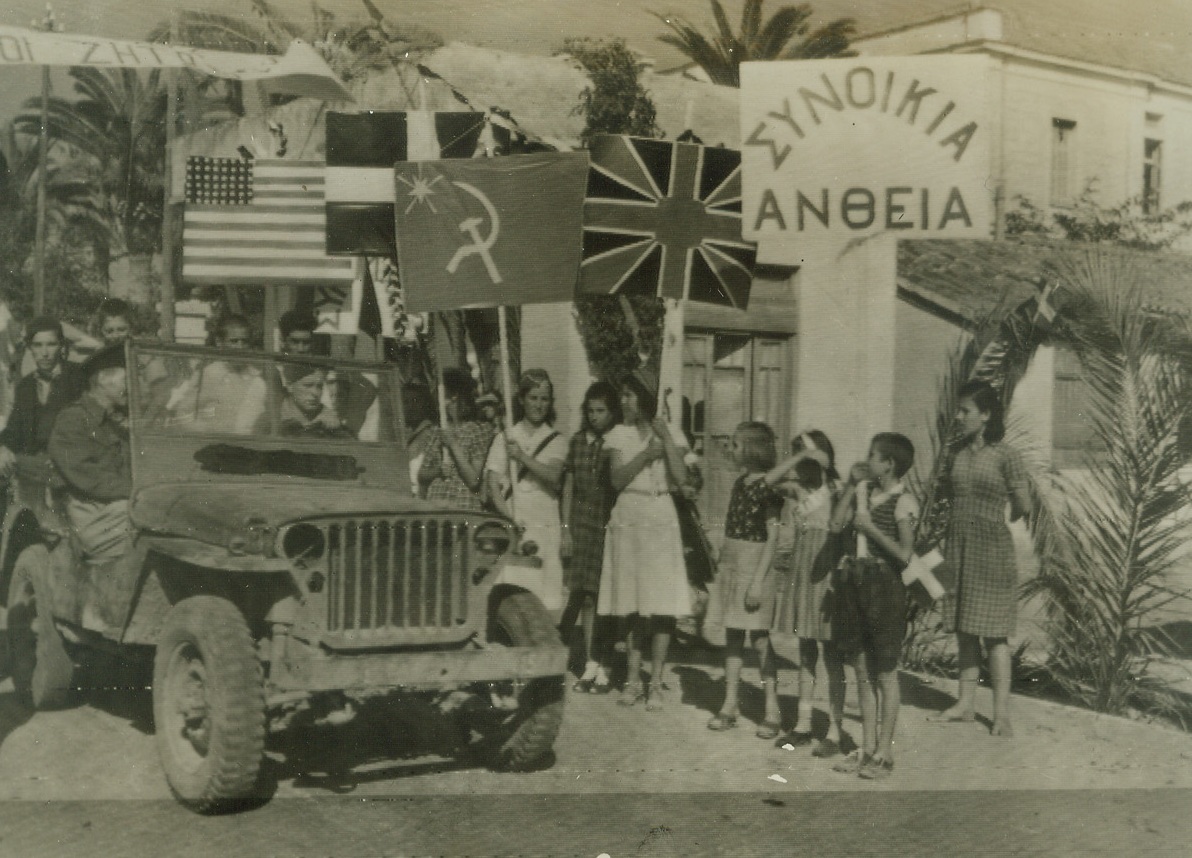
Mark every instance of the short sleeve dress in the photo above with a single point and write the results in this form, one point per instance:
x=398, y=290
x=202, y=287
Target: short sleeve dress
x=536, y=508
x=979, y=545
x=752, y=505
x=643, y=567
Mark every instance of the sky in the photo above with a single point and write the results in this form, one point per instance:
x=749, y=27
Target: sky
x=540, y=26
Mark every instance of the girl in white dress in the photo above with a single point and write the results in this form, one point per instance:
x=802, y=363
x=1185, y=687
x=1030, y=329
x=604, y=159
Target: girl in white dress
x=644, y=575
x=538, y=453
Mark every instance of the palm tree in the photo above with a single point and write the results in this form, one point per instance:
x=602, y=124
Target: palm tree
x=1108, y=539
x=721, y=54
x=119, y=122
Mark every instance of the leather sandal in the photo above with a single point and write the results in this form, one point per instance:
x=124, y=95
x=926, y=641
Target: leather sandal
x=768, y=730
x=722, y=722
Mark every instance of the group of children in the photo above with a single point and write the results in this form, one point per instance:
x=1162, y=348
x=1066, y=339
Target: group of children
x=804, y=554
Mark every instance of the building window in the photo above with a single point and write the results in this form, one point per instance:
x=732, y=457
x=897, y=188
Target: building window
x=1063, y=162
x=1152, y=175
x=1073, y=439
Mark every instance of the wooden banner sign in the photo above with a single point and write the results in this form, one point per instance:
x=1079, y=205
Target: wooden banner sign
x=301, y=70
x=841, y=149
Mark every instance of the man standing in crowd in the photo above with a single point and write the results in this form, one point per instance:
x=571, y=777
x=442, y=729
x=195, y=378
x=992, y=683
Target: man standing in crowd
x=39, y=396
x=89, y=446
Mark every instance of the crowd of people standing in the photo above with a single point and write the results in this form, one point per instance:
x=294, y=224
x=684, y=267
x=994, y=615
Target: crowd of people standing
x=806, y=552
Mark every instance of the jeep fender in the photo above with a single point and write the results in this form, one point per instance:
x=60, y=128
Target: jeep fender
x=177, y=569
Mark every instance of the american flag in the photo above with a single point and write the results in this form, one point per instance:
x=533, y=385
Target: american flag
x=258, y=223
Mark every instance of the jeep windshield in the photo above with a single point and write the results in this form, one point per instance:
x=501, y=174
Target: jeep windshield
x=241, y=413
x=252, y=396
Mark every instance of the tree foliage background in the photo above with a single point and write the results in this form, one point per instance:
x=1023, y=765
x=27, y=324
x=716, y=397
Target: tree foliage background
x=622, y=335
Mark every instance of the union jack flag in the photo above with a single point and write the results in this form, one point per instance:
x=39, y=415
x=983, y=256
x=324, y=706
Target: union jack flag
x=663, y=218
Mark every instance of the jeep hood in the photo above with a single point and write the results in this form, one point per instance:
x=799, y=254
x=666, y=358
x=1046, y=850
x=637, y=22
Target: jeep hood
x=215, y=513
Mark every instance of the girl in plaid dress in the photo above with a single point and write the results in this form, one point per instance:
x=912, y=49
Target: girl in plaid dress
x=985, y=474
x=587, y=502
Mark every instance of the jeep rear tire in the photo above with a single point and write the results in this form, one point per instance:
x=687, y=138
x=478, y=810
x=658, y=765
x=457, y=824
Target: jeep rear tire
x=528, y=736
x=208, y=704
x=42, y=670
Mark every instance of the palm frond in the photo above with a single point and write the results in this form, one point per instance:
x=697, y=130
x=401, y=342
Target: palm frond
x=751, y=21
x=779, y=29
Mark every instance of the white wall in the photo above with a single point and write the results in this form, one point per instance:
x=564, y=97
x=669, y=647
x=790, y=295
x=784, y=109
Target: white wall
x=550, y=340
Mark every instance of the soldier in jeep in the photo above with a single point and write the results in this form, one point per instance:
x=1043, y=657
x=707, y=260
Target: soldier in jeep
x=89, y=446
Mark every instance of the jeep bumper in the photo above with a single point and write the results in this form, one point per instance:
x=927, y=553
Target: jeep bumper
x=304, y=668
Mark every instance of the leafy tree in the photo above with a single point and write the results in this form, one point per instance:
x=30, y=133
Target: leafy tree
x=721, y=53
x=622, y=335
x=1127, y=224
x=615, y=102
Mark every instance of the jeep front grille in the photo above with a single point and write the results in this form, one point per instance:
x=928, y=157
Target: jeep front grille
x=397, y=574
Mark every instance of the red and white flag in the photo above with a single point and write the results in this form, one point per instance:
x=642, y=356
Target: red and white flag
x=259, y=223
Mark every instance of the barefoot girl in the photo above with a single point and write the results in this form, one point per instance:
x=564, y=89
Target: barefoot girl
x=985, y=474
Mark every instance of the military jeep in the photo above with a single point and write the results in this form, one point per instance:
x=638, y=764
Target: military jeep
x=276, y=564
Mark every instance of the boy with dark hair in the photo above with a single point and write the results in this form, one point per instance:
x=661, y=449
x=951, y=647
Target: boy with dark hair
x=869, y=620
x=297, y=328
x=40, y=395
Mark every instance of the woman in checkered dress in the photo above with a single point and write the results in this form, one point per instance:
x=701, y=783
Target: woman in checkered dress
x=453, y=462
x=587, y=502
x=985, y=475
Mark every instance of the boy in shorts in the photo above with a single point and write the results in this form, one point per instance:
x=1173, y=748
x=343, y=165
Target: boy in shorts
x=869, y=621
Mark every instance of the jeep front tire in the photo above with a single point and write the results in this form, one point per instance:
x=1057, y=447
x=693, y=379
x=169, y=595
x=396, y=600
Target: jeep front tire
x=526, y=740
x=208, y=704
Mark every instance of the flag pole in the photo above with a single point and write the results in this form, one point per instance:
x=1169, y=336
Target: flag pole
x=507, y=395
x=168, y=295
x=43, y=148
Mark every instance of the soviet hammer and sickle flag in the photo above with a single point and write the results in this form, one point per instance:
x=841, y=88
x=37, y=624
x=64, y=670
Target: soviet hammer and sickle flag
x=663, y=218
x=487, y=232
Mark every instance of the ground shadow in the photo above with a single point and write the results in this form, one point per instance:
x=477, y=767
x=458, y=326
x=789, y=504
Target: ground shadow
x=121, y=688
x=13, y=713
x=382, y=743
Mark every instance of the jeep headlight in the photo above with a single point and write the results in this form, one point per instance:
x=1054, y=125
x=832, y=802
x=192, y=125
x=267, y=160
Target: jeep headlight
x=255, y=537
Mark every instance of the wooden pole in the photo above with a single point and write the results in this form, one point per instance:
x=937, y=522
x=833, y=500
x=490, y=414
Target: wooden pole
x=168, y=295
x=39, y=272
x=507, y=394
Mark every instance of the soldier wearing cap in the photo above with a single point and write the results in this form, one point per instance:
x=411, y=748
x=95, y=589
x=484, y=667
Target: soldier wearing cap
x=40, y=395
x=89, y=446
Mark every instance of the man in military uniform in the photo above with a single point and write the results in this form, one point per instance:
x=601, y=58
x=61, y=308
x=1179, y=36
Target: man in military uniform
x=89, y=446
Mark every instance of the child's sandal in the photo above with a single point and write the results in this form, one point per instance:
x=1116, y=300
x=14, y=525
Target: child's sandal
x=768, y=730
x=632, y=694
x=722, y=722
x=876, y=769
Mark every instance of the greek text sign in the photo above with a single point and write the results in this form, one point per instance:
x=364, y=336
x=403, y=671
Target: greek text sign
x=300, y=71
x=833, y=150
